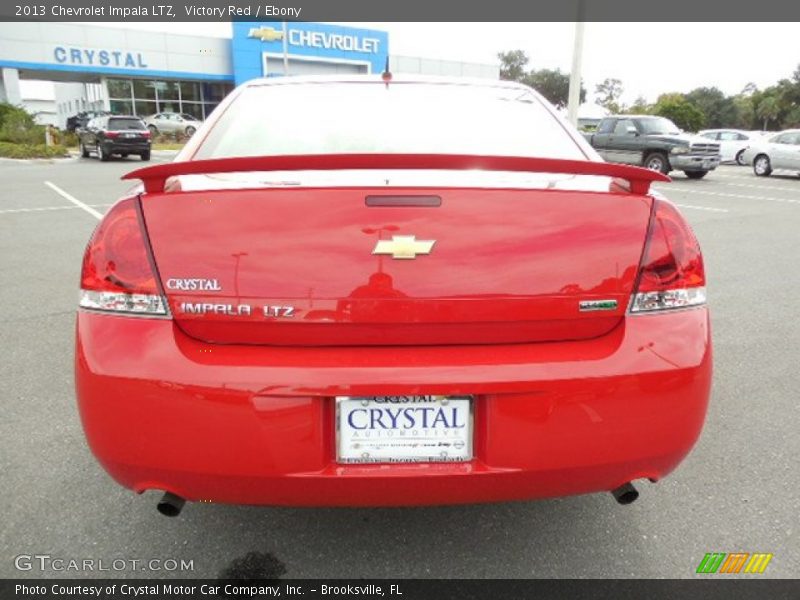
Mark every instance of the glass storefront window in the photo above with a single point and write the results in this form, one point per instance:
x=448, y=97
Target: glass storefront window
x=167, y=90
x=193, y=108
x=144, y=90
x=209, y=107
x=119, y=88
x=168, y=106
x=190, y=91
x=150, y=97
x=121, y=107
x=215, y=92
x=145, y=108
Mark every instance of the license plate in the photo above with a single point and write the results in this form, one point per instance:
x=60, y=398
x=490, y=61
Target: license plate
x=403, y=429
x=706, y=164
x=130, y=135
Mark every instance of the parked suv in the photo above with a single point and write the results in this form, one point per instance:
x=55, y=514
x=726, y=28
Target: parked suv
x=115, y=134
x=168, y=122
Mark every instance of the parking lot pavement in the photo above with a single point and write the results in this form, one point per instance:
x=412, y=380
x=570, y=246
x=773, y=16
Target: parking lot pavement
x=738, y=491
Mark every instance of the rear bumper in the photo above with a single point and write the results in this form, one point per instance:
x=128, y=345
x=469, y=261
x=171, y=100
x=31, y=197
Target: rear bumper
x=126, y=147
x=255, y=425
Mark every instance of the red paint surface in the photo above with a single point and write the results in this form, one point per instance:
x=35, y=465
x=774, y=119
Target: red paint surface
x=508, y=266
x=248, y=424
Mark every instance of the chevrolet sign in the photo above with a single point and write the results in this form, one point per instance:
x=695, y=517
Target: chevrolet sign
x=265, y=34
x=318, y=39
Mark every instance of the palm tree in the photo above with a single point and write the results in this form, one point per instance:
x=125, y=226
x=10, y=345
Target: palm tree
x=768, y=110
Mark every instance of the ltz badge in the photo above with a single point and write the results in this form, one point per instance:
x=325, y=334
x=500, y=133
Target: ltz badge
x=236, y=310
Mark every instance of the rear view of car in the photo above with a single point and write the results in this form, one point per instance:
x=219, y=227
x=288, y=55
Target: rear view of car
x=109, y=135
x=404, y=305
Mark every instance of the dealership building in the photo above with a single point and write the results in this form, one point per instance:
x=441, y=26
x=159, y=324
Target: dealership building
x=131, y=71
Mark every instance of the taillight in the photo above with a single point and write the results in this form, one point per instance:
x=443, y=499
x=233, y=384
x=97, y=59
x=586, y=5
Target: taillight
x=118, y=272
x=145, y=134
x=671, y=274
x=112, y=134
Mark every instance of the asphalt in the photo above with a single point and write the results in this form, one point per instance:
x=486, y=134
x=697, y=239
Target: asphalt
x=738, y=491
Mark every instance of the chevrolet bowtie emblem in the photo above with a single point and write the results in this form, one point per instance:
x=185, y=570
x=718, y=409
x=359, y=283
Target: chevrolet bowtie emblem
x=265, y=34
x=404, y=246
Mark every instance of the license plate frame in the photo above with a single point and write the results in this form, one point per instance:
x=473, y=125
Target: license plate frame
x=397, y=445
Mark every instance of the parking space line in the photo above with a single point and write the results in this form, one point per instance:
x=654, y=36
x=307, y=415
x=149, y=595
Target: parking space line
x=708, y=208
x=46, y=208
x=74, y=200
x=787, y=175
x=746, y=196
x=788, y=188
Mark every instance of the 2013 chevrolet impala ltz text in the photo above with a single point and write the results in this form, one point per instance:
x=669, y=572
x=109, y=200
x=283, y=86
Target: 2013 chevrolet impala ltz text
x=377, y=291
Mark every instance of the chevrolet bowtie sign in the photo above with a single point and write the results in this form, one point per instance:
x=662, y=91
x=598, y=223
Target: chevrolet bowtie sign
x=404, y=247
x=265, y=34
x=318, y=39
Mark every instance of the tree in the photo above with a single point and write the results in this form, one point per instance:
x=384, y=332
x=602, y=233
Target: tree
x=552, y=84
x=680, y=111
x=640, y=106
x=792, y=120
x=608, y=94
x=749, y=89
x=512, y=65
x=745, y=112
x=718, y=109
x=768, y=110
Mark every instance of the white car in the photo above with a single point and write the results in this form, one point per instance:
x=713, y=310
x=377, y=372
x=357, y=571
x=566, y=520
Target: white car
x=780, y=151
x=732, y=142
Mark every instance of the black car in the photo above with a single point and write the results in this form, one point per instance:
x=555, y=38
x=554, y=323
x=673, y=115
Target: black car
x=115, y=134
x=80, y=120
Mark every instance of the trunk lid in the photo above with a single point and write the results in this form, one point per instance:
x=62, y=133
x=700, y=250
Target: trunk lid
x=287, y=265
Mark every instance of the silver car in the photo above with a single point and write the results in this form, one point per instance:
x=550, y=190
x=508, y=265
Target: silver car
x=779, y=151
x=169, y=122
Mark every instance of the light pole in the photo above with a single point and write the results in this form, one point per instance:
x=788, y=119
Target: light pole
x=575, y=74
x=285, y=38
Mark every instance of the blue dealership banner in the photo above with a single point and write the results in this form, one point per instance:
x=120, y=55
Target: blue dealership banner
x=257, y=45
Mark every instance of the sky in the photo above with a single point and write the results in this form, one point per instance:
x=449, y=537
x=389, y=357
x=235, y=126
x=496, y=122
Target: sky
x=649, y=58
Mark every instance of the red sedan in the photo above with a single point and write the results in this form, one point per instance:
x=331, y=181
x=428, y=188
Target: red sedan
x=390, y=291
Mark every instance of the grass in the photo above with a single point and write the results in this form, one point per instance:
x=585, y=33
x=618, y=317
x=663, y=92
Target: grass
x=11, y=150
x=168, y=146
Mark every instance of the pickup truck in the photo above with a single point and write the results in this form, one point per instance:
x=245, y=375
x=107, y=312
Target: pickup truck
x=653, y=142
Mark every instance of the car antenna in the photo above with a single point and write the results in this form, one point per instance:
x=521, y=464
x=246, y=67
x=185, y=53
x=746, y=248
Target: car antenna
x=387, y=74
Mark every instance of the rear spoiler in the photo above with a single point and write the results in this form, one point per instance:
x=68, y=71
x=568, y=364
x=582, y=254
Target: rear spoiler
x=155, y=177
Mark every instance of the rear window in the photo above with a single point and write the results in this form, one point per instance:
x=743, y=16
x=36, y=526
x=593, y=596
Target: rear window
x=121, y=124
x=336, y=118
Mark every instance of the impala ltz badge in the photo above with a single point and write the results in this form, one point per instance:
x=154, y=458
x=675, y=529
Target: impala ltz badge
x=404, y=247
